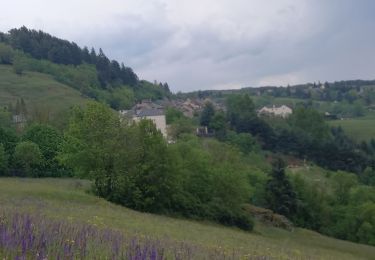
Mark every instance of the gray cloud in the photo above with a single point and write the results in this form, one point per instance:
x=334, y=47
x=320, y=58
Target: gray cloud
x=216, y=43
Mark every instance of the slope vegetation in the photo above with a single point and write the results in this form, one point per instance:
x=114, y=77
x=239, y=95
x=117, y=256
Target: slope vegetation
x=66, y=199
x=37, y=89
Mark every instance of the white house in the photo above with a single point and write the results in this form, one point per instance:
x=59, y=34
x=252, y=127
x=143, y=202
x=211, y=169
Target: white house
x=156, y=115
x=282, y=111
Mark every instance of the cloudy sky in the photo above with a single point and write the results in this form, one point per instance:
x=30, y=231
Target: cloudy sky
x=215, y=44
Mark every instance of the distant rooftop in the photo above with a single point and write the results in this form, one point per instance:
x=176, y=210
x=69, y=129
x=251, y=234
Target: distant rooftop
x=149, y=112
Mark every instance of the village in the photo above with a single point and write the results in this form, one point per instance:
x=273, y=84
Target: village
x=155, y=111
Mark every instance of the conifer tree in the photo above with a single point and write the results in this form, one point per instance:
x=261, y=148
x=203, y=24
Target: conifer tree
x=280, y=195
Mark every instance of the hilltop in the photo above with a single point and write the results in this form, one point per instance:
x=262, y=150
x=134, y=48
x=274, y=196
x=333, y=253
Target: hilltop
x=91, y=73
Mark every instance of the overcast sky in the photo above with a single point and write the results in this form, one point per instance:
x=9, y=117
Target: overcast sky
x=215, y=44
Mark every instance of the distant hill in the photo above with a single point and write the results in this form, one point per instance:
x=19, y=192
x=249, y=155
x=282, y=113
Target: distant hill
x=36, y=89
x=92, y=73
x=43, y=95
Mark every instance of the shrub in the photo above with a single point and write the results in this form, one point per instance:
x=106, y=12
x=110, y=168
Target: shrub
x=28, y=157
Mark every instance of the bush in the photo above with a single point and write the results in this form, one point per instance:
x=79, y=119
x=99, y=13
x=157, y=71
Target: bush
x=6, y=54
x=28, y=157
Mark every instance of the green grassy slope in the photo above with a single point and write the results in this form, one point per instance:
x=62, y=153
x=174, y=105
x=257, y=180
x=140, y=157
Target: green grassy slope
x=361, y=129
x=38, y=90
x=66, y=199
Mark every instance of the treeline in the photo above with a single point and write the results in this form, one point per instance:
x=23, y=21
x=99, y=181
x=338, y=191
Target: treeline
x=85, y=78
x=201, y=178
x=327, y=208
x=132, y=165
x=340, y=91
x=305, y=134
x=41, y=45
x=336, y=204
x=31, y=154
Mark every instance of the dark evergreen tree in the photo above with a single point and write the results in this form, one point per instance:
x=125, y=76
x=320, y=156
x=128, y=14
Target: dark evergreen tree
x=207, y=114
x=280, y=195
x=86, y=55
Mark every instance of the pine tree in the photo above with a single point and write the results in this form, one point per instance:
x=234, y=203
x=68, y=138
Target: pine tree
x=207, y=114
x=280, y=195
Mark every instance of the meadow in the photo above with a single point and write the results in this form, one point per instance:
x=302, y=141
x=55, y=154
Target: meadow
x=360, y=129
x=92, y=228
x=40, y=91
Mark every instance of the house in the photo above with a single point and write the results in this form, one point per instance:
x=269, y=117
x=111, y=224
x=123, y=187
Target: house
x=330, y=116
x=282, y=111
x=19, y=120
x=156, y=115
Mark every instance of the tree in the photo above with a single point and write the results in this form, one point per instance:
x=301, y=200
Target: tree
x=218, y=124
x=5, y=118
x=28, y=157
x=311, y=122
x=240, y=112
x=19, y=64
x=243, y=118
x=343, y=182
x=49, y=141
x=3, y=161
x=8, y=139
x=149, y=185
x=172, y=115
x=207, y=114
x=6, y=54
x=128, y=162
x=280, y=195
x=180, y=127
x=91, y=143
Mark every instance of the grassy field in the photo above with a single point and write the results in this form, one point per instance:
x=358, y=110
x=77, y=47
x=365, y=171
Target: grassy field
x=362, y=128
x=38, y=90
x=66, y=199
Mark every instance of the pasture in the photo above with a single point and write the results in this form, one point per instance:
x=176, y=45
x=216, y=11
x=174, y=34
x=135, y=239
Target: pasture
x=67, y=202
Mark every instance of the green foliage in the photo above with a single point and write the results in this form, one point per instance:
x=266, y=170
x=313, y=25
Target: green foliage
x=46, y=137
x=218, y=124
x=5, y=118
x=207, y=114
x=172, y=115
x=367, y=176
x=121, y=98
x=28, y=157
x=45, y=98
x=8, y=139
x=127, y=163
x=20, y=64
x=49, y=141
x=3, y=161
x=343, y=182
x=145, y=174
x=310, y=122
x=244, y=141
x=90, y=141
x=336, y=205
x=148, y=185
x=42, y=46
x=211, y=182
x=240, y=111
x=67, y=200
x=242, y=117
x=181, y=127
x=6, y=54
x=147, y=90
x=281, y=197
